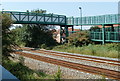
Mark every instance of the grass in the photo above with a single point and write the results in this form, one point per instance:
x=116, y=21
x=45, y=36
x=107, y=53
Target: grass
x=22, y=72
x=58, y=74
x=107, y=50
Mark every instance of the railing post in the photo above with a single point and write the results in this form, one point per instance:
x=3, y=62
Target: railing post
x=52, y=19
x=66, y=31
x=44, y=17
x=19, y=16
x=103, y=34
x=36, y=17
x=115, y=35
x=28, y=17
x=72, y=21
x=58, y=19
x=109, y=35
x=94, y=34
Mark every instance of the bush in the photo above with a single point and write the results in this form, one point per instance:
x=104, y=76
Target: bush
x=22, y=72
x=58, y=74
x=7, y=41
x=36, y=36
x=43, y=46
x=79, y=38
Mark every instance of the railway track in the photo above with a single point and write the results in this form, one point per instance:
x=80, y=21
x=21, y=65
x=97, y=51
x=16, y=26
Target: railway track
x=85, y=68
x=86, y=58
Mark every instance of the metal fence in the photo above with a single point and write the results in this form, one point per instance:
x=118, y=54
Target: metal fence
x=109, y=36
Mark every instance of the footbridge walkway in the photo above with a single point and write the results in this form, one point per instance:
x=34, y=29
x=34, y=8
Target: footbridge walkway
x=63, y=21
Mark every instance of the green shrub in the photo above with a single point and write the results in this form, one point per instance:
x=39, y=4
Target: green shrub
x=57, y=76
x=22, y=72
x=7, y=40
x=94, y=28
x=43, y=46
x=79, y=38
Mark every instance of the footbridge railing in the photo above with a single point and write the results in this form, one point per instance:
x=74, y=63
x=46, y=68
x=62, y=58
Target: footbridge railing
x=94, y=20
x=109, y=36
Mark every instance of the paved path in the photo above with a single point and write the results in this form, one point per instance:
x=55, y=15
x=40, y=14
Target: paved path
x=5, y=75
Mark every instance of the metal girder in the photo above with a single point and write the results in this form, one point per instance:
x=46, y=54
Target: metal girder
x=37, y=18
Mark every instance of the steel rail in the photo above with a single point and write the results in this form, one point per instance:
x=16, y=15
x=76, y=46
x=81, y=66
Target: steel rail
x=99, y=60
x=74, y=57
x=85, y=68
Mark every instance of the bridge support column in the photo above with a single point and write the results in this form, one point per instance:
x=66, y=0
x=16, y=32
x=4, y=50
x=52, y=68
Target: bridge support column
x=112, y=28
x=61, y=32
x=103, y=34
x=72, y=29
x=66, y=33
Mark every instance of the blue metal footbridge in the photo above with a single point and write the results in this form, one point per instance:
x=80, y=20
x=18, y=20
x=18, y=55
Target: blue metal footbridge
x=63, y=21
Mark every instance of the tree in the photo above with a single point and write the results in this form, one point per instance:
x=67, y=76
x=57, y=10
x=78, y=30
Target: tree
x=7, y=41
x=34, y=35
x=93, y=28
x=18, y=36
x=38, y=11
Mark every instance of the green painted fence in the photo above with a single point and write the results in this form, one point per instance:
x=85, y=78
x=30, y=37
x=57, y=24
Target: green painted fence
x=94, y=20
x=109, y=36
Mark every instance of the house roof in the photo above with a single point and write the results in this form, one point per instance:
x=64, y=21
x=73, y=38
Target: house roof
x=70, y=29
x=115, y=25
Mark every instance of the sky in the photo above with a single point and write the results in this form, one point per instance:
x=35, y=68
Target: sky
x=65, y=8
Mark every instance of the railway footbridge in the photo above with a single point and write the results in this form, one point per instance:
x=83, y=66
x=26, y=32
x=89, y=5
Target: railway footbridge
x=65, y=22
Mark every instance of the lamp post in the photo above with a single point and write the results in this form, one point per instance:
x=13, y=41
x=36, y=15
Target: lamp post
x=81, y=16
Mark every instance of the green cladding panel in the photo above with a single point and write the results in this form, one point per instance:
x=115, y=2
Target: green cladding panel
x=94, y=20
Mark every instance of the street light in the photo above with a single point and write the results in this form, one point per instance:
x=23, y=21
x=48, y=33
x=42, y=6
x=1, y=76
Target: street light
x=81, y=16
